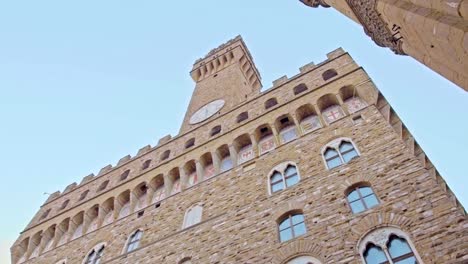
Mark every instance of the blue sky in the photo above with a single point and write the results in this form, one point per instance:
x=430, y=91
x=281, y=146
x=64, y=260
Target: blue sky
x=84, y=83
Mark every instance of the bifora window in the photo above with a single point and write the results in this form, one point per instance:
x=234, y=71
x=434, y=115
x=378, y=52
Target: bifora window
x=336, y=155
x=281, y=179
x=95, y=256
x=291, y=227
x=398, y=251
x=134, y=240
x=361, y=199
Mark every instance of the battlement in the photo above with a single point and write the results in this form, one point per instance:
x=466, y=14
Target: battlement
x=229, y=53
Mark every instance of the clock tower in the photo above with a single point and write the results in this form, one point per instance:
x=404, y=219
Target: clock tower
x=225, y=78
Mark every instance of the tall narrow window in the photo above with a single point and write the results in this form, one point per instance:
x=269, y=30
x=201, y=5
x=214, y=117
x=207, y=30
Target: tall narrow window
x=375, y=255
x=134, y=240
x=339, y=152
x=283, y=177
x=361, y=199
x=292, y=226
x=400, y=251
x=193, y=216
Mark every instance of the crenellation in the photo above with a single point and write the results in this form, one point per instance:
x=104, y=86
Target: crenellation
x=87, y=179
x=143, y=150
x=124, y=160
x=281, y=80
x=53, y=196
x=308, y=67
x=105, y=170
x=70, y=188
x=335, y=53
x=164, y=140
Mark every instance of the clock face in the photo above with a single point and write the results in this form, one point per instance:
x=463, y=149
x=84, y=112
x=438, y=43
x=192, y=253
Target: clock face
x=206, y=111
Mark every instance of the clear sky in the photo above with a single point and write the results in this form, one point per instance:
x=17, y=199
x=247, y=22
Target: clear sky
x=84, y=83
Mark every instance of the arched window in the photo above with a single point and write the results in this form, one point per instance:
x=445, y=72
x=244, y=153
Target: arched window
x=193, y=216
x=124, y=175
x=291, y=226
x=146, y=164
x=190, y=143
x=242, y=116
x=64, y=205
x=361, y=198
x=165, y=155
x=300, y=89
x=388, y=245
x=339, y=152
x=304, y=260
x=328, y=74
x=134, y=240
x=45, y=214
x=284, y=176
x=83, y=195
x=103, y=186
x=95, y=256
x=270, y=103
x=215, y=130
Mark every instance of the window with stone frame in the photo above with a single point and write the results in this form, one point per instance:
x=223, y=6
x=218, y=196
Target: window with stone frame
x=339, y=152
x=388, y=245
x=193, y=216
x=361, y=198
x=215, y=130
x=134, y=241
x=284, y=175
x=290, y=226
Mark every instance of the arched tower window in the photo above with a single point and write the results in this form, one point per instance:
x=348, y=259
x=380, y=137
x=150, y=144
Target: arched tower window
x=388, y=245
x=291, y=226
x=146, y=164
x=339, y=152
x=300, y=89
x=243, y=146
x=270, y=103
x=165, y=155
x=215, y=130
x=265, y=138
x=328, y=74
x=103, y=186
x=283, y=176
x=134, y=241
x=242, y=117
x=124, y=175
x=190, y=143
x=361, y=198
x=286, y=127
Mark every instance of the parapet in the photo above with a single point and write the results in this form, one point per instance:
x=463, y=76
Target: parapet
x=70, y=187
x=144, y=150
x=124, y=160
x=309, y=66
x=335, y=53
x=53, y=196
x=87, y=178
x=280, y=80
x=164, y=140
x=105, y=170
